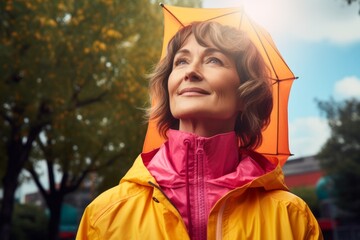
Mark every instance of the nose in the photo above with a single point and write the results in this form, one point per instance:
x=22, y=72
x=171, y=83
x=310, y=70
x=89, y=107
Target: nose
x=192, y=76
x=193, y=73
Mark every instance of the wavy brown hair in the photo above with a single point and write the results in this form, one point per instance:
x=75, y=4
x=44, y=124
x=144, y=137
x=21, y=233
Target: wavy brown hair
x=254, y=92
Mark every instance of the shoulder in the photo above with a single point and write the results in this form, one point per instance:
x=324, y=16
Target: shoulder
x=281, y=199
x=293, y=212
x=112, y=207
x=113, y=198
x=285, y=197
x=133, y=186
x=119, y=193
x=272, y=214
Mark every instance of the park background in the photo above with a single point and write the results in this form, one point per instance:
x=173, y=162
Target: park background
x=73, y=83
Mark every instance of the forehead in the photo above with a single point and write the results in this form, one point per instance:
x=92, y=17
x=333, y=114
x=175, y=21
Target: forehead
x=192, y=44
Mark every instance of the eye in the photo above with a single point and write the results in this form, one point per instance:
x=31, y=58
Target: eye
x=180, y=61
x=215, y=60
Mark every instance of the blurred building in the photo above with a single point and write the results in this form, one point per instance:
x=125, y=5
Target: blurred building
x=335, y=224
x=34, y=198
x=302, y=172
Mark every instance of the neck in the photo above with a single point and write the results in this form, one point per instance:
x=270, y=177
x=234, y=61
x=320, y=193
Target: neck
x=206, y=128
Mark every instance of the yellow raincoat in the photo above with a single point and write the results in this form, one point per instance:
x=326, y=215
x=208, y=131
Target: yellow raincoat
x=137, y=209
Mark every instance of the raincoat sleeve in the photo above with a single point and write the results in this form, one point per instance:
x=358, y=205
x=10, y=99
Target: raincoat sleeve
x=86, y=231
x=314, y=231
x=303, y=224
x=89, y=228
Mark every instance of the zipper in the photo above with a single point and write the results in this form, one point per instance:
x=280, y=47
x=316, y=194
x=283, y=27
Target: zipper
x=200, y=196
x=187, y=142
x=156, y=200
x=159, y=188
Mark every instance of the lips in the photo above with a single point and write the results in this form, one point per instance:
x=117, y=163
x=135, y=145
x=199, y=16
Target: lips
x=193, y=91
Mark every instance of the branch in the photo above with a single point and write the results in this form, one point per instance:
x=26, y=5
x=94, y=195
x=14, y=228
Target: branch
x=91, y=100
x=42, y=120
x=34, y=175
x=49, y=164
x=50, y=169
x=107, y=163
x=77, y=181
x=83, y=103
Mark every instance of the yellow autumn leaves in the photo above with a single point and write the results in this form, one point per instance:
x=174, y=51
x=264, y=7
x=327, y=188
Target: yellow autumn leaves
x=98, y=45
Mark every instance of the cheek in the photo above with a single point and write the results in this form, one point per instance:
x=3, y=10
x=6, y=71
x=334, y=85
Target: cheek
x=171, y=88
x=174, y=80
x=227, y=84
x=227, y=91
x=171, y=83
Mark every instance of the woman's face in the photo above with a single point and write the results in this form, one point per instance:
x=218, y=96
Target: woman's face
x=203, y=84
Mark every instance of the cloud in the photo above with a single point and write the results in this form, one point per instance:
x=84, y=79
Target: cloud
x=309, y=20
x=307, y=136
x=348, y=87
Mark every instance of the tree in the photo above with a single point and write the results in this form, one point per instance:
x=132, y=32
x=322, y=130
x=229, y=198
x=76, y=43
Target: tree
x=340, y=155
x=72, y=80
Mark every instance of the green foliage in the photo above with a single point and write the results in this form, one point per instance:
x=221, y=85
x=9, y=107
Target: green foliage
x=83, y=64
x=28, y=223
x=340, y=156
x=77, y=67
x=308, y=194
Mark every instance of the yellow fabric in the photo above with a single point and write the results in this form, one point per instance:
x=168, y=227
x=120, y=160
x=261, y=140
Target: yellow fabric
x=135, y=209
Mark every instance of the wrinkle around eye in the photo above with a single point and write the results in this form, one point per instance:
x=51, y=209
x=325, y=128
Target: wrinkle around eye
x=180, y=61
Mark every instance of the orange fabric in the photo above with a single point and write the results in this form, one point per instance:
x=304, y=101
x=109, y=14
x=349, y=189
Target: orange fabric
x=275, y=137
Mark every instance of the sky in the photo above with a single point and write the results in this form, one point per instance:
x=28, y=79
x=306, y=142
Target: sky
x=320, y=41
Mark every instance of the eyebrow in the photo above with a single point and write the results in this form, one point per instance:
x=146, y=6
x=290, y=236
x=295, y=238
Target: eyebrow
x=208, y=50
x=183, y=50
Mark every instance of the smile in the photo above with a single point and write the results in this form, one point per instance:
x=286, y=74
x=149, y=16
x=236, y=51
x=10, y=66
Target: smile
x=193, y=92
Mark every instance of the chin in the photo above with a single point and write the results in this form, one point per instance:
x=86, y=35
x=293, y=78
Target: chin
x=192, y=113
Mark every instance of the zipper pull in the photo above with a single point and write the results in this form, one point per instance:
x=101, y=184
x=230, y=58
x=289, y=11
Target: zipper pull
x=199, y=146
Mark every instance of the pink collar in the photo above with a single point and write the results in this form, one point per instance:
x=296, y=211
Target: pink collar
x=182, y=145
x=195, y=172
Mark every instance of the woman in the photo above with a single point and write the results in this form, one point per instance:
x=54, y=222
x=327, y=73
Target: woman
x=213, y=95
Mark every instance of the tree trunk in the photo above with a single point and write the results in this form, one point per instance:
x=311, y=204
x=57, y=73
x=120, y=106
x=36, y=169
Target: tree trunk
x=55, y=204
x=18, y=155
x=9, y=185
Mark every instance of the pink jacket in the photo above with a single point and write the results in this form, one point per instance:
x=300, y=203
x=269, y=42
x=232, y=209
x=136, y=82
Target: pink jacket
x=195, y=172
